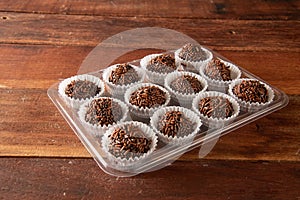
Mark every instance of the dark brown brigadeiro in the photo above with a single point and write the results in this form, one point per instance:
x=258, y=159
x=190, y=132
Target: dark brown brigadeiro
x=219, y=74
x=128, y=142
x=217, y=70
x=79, y=89
x=82, y=89
x=148, y=97
x=162, y=64
x=103, y=112
x=145, y=98
x=192, y=52
x=216, y=107
x=191, y=57
x=157, y=66
x=251, y=91
x=186, y=84
x=175, y=123
x=123, y=74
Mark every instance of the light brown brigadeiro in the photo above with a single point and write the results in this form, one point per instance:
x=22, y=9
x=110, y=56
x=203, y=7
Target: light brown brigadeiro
x=128, y=141
x=251, y=91
x=148, y=96
x=175, y=123
x=123, y=74
x=216, y=107
x=217, y=70
x=186, y=84
x=144, y=98
x=163, y=63
x=192, y=52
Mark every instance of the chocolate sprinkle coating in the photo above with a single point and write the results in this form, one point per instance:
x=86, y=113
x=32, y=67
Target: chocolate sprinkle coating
x=148, y=97
x=175, y=123
x=79, y=89
x=128, y=142
x=191, y=52
x=216, y=107
x=251, y=91
x=162, y=64
x=123, y=74
x=103, y=111
x=217, y=70
x=186, y=84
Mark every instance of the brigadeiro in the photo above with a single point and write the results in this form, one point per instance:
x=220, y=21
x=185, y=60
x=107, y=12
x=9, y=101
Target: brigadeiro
x=184, y=86
x=157, y=66
x=78, y=89
x=251, y=93
x=175, y=125
x=192, y=56
x=219, y=74
x=120, y=77
x=144, y=98
x=100, y=113
x=216, y=109
x=127, y=143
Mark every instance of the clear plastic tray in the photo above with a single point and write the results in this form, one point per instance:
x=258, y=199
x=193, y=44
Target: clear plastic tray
x=164, y=154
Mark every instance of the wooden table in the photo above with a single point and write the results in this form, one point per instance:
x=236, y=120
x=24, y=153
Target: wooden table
x=44, y=41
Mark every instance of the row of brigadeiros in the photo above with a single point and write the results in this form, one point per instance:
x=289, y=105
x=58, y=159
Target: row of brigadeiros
x=178, y=92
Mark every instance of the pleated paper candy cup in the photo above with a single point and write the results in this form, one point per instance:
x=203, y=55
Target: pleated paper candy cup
x=251, y=106
x=75, y=103
x=176, y=140
x=220, y=85
x=184, y=99
x=117, y=90
x=189, y=65
x=215, y=122
x=98, y=129
x=141, y=111
x=128, y=162
x=152, y=76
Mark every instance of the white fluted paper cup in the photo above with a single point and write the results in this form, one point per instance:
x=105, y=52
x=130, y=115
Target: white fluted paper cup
x=192, y=66
x=184, y=99
x=176, y=140
x=125, y=163
x=75, y=103
x=251, y=106
x=118, y=90
x=214, y=121
x=153, y=77
x=140, y=111
x=220, y=85
x=98, y=129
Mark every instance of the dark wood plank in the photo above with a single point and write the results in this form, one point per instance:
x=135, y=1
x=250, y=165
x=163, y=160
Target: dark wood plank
x=42, y=42
x=27, y=66
x=40, y=178
x=50, y=70
x=224, y=9
x=39, y=66
x=250, y=35
x=256, y=140
x=37, y=129
x=32, y=126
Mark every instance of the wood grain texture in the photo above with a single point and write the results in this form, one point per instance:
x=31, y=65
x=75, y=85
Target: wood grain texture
x=228, y=9
x=29, y=114
x=205, y=179
x=32, y=126
x=40, y=66
x=254, y=35
x=42, y=42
